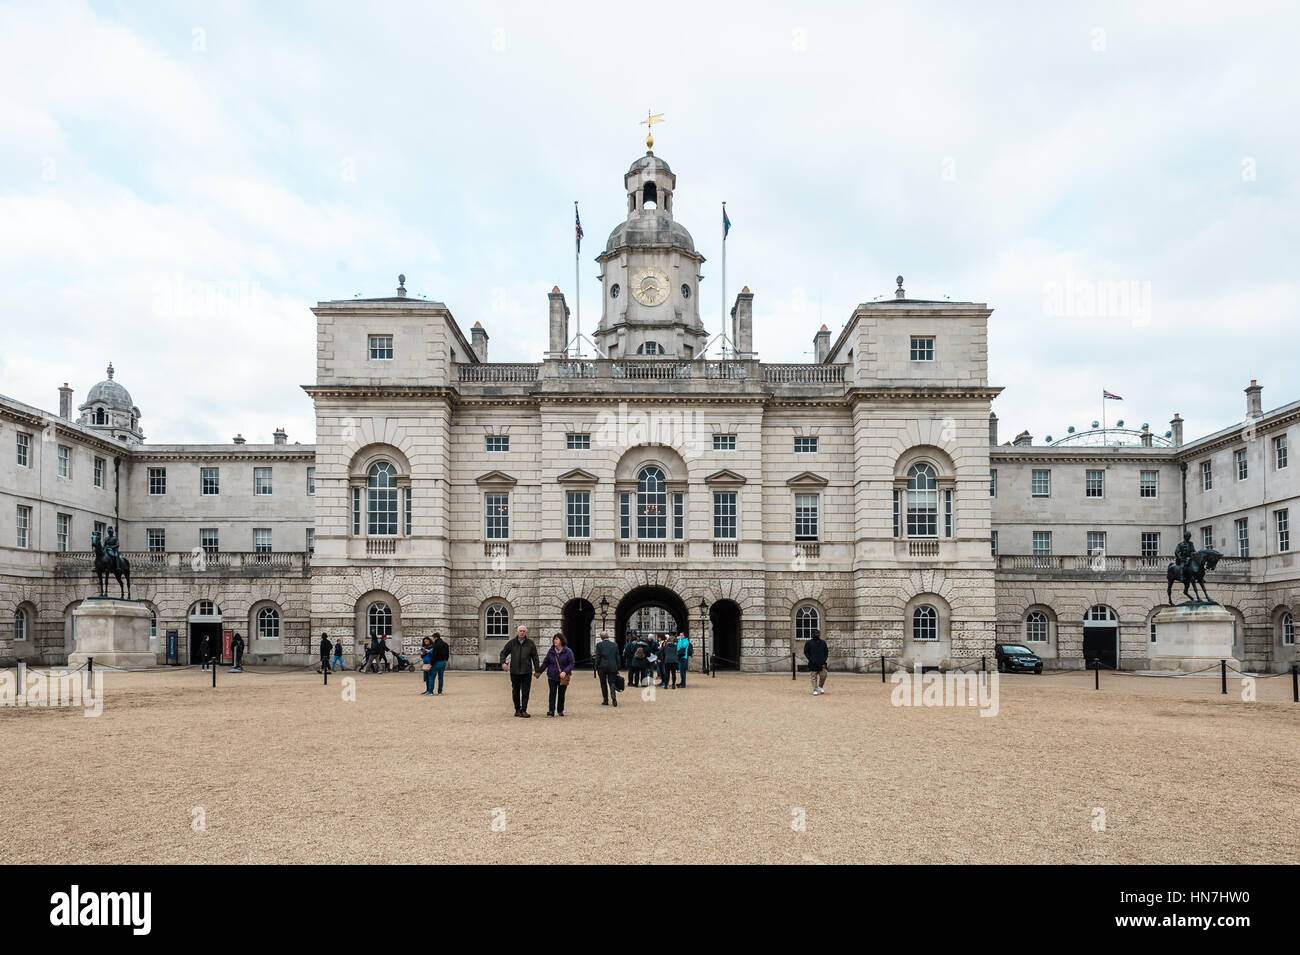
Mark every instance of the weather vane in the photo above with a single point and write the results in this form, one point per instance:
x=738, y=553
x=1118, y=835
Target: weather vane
x=649, y=123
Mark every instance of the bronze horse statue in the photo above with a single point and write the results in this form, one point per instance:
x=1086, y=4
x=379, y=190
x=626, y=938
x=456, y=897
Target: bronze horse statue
x=110, y=564
x=1192, y=572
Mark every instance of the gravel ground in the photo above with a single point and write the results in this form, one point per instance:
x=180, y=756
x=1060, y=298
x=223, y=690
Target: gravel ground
x=284, y=770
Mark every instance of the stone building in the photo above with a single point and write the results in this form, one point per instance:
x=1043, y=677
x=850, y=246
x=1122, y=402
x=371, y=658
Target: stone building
x=863, y=493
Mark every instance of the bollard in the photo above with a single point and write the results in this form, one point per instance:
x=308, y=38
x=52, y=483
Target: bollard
x=325, y=670
x=90, y=670
x=1096, y=675
x=1223, y=677
x=21, y=672
x=1295, y=684
x=984, y=664
x=882, y=668
x=214, y=674
x=794, y=667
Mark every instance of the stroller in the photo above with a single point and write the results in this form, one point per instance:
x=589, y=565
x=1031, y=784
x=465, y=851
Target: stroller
x=400, y=663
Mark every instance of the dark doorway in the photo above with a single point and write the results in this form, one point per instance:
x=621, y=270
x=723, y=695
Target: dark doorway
x=577, y=617
x=1101, y=645
x=725, y=617
x=197, y=632
x=639, y=597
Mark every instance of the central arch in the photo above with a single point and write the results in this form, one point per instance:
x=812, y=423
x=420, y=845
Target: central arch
x=577, y=617
x=650, y=596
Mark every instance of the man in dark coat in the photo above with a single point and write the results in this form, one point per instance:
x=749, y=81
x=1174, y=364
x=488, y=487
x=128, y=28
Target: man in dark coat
x=607, y=669
x=325, y=648
x=522, y=654
x=441, y=654
x=816, y=653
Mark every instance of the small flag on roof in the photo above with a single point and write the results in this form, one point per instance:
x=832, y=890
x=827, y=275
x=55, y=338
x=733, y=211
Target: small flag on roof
x=577, y=227
x=726, y=223
x=1106, y=394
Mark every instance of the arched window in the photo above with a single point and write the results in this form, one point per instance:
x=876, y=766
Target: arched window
x=100, y=417
x=1036, y=627
x=20, y=624
x=381, y=500
x=807, y=621
x=651, y=504
x=1288, y=630
x=650, y=348
x=1099, y=614
x=649, y=196
x=925, y=623
x=206, y=608
x=497, y=621
x=379, y=620
x=922, y=501
x=268, y=624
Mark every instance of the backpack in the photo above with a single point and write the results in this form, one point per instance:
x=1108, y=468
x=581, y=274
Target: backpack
x=640, y=653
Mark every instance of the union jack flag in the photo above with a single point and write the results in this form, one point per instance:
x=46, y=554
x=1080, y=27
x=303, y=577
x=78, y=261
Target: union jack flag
x=577, y=227
x=1106, y=394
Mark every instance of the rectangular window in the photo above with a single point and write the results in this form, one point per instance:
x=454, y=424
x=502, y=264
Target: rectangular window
x=993, y=543
x=1040, y=482
x=679, y=516
x=22, y=537
x=209, y=540
x=261, y=481
x=947, y=513
x=24, y=450
x=1282, y=519
x=1243, y=537
x=1207, y=475
x=496, y=443
x=807, y=524
x=311, y=481
x=993, y=483
x=724, y=442
x=65, y=461
x=1243, y=466
x=1279, y=452
x=577, y=510
x=1094, y=483
x=1149, y=484
x=1096, y=543
x=209, y=481
x=1042, y=543
x=805, y=445
x=497, y=516
x=157, y=481
x=898, y=511
x=724, y=515
x=922, y=348
x=577, y=441
x=99, y=472
x=406, y=509
x=356, y=510
x=62, y=531
x=624, y=516
x=157, y=540
x=1150, y=544
x=381, y=347
x=311, y=540
x=100, y=529
x=262, y=540
x=1207, y=536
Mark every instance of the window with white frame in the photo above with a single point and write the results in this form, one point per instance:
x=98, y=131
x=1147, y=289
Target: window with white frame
x=157, y=481
x=311, y=540
x=651, y=504
x=1151, y=629
x=1243, y=465
x=922, y=348
x=209, y=540
x=922, y=501
x=268, y=624
x=724, y=515
x=22, y=536
x=724, y=442
x=1243, y=537
x=1094, y=483
x=24, y=450
x=1042, y=542
x=650, y=348
x=100, y=529
x=496, y=443
x=1096, y=543
x=577, y=441
x=577, y=506
x=381, y=500
x=624, y=516
x=1040, y=482
x=1150, y=544
x=496, y=621
x=262, y=540
x=65, y=461
x=311, y=481
x=209, y=481
x=898, y=512
x=1288, y=630
x=679, y=516
x=925, y=624
x=206, y=608
x=1279, y=452
x=1282, y=521
x=1036, y=627
x=1207, y=536
x=261, y=481
x=1207, y=475
x=356, y=510
x=21, y=625
x=379, y=620
x=381, y=347
x=156, y=540
x=807, y=518
x=1149, y=484
x=407, y=510
x=807, y=621
x=805, y=444
x=62, y=531
x=993, y=482
x=99, y=472
x=496, y=515
x=993, y=543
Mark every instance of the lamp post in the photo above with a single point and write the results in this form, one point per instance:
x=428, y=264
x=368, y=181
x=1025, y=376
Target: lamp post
x=604, y=611
x=704, y=633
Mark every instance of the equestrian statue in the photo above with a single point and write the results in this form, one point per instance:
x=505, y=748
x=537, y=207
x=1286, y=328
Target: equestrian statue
x=1189, y=569
x=109, y=562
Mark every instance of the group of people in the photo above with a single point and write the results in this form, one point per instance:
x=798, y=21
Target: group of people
x=377, y=652
x=434, y=654
x=661, y=658
x=208, y=652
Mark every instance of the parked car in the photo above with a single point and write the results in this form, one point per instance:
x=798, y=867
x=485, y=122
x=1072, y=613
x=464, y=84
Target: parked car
x=1013, y=657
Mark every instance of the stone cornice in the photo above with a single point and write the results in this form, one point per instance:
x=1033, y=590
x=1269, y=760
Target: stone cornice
x=1049, y=455
x=233, y=452
x=924, y=393
x=38, y=420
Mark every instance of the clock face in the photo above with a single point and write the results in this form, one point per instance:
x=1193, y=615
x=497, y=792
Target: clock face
x=650, y=286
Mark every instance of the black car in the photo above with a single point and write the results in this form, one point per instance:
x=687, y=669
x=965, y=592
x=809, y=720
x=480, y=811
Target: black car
x=1015, y=657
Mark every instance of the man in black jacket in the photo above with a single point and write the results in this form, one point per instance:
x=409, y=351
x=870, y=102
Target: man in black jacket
x=816, y=653
x=441, y=654
x=325, y=648
x=522, y=653
x=607, y=669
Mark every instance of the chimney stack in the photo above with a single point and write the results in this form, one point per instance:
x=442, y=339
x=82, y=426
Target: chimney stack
x=559, y=325
x=822, y=343
x=742, y=323
x=279, y=436
x=478, y=339
x=401, y=286
x=993, y=430
x=1146, y=436
x=1024, y=440
x=1176, y=431
x=1254, y=401
x=239, y=439
x=65, y=402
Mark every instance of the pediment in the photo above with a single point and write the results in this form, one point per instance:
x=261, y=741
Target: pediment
x=577, y=476
x=725, y=476
x=495, y=479
x=807, y=479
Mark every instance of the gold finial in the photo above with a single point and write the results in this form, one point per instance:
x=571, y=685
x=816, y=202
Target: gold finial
x=649, y=123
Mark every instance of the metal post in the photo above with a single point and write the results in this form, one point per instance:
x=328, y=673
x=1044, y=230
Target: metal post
x=1223, y=677
x=326, y=671
x=21, y=672
x=984, y=664
x=90, y=670
x=1295, y=684
x=1096, y=675
x=794, y=667
x=882, y=668
x=214, y=674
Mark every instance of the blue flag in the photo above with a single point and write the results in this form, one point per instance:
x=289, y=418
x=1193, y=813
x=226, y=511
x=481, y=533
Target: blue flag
x=726, y=224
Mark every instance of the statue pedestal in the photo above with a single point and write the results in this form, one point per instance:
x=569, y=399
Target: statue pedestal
x=1192, y=637
x=114, y=632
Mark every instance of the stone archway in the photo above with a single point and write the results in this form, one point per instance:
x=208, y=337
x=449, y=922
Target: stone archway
x=650, y=596
x=577, y=618
x=724, y=615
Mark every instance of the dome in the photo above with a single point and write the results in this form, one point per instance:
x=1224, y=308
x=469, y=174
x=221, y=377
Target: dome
x=111, y=395
x=650, y=229
x=649, y=163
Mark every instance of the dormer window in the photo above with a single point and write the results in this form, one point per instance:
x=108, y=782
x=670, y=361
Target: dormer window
x=650, y=348
x=649, y=196
x=100, y=417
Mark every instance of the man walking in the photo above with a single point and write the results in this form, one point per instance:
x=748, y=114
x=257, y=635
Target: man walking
x=325, y=647
x=607, y=669
x=441, y=654
x=338, y=655
x=237, y=651
x=522, y=654
x=816, y=652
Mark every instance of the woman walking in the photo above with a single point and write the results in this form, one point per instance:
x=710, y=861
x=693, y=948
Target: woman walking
x=426, y=664
x=558, y=666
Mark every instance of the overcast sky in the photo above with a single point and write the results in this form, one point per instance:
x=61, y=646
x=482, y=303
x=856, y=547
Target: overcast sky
x=267, y=156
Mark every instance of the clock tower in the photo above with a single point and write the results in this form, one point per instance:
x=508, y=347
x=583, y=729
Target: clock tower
x=650, y=274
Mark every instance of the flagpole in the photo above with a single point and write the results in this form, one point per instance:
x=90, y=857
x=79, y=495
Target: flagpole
x=577, y=291
x=724, y=281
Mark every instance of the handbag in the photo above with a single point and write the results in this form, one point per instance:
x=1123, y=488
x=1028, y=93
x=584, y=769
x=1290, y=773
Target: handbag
x=564, y=678
x=426, y=667
x=620, y=683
